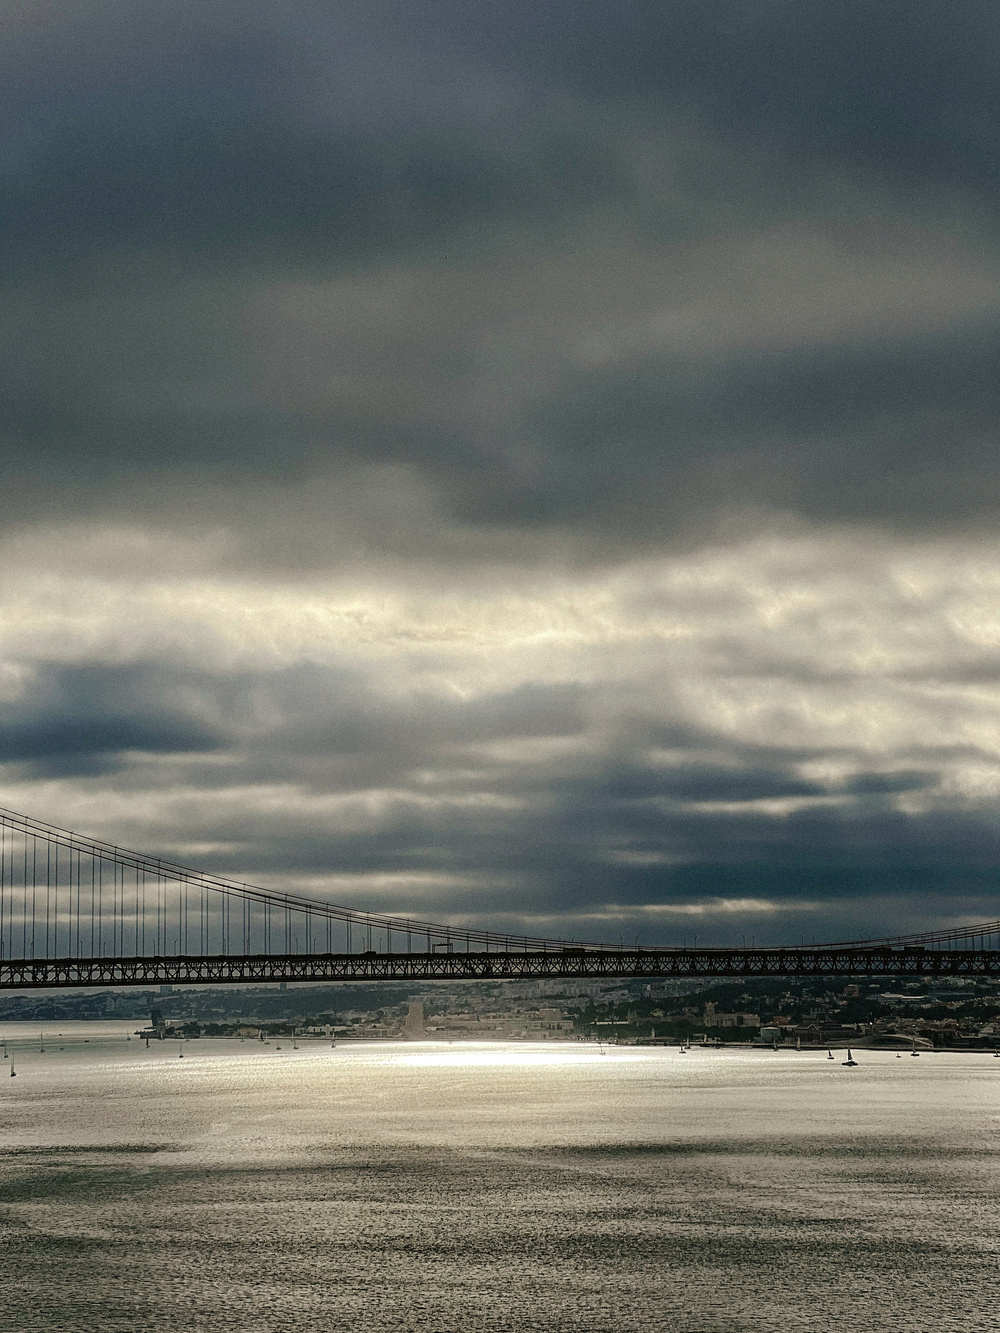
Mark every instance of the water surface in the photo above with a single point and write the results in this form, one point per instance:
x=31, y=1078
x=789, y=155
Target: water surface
x=444, y=1187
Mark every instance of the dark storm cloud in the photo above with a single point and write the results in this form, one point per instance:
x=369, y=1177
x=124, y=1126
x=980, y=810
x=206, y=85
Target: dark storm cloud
x=573, y=834
x=207, y=123
x=593, y=850
x=277, y=724
x=162, y=163
x=891, y=430
x=909, y=85
x=199, y=126
x=310, y=287
x=73, y=719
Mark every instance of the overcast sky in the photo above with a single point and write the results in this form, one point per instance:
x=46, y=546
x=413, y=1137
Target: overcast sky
x=531, y=465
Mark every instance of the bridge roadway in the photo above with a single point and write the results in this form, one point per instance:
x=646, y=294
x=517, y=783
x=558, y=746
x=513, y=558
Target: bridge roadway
x=814, y=961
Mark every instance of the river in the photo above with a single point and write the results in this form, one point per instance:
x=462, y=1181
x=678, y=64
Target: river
x=432, y=1188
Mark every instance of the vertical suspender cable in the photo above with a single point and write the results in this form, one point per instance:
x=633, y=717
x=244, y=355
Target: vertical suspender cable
x=48, y=893
x=24, y=896
x=34, y=888
x=3, y=883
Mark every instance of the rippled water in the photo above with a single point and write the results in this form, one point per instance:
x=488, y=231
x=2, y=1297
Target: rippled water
x=473, y=1187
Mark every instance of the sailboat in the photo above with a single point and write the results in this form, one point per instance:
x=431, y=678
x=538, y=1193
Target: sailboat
x=829, y=1053
x=41, y=1043
x=12, y=1071
x=898, y=1056
x=798, y=1043
x=914, y=1051
x=850, y=1062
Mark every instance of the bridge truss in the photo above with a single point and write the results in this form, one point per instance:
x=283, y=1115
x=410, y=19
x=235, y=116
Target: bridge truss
x=77, y=911
x=23, y=974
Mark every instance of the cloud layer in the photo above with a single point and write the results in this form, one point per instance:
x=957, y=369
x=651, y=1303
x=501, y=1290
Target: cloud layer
x=529, y=466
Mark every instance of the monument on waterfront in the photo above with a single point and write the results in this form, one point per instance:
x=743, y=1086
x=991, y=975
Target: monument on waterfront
x=413, y=1024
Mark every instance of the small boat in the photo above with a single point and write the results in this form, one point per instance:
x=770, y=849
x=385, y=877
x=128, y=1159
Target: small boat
x=850, y=1062
x=898, y=1056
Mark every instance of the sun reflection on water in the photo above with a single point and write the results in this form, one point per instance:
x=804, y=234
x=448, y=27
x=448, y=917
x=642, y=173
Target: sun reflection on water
x=554, y=1054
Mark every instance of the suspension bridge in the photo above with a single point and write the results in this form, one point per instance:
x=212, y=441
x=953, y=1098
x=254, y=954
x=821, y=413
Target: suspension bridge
x=76, y=911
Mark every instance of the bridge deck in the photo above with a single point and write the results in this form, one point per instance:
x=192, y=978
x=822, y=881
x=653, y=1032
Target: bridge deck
x=38, y=973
